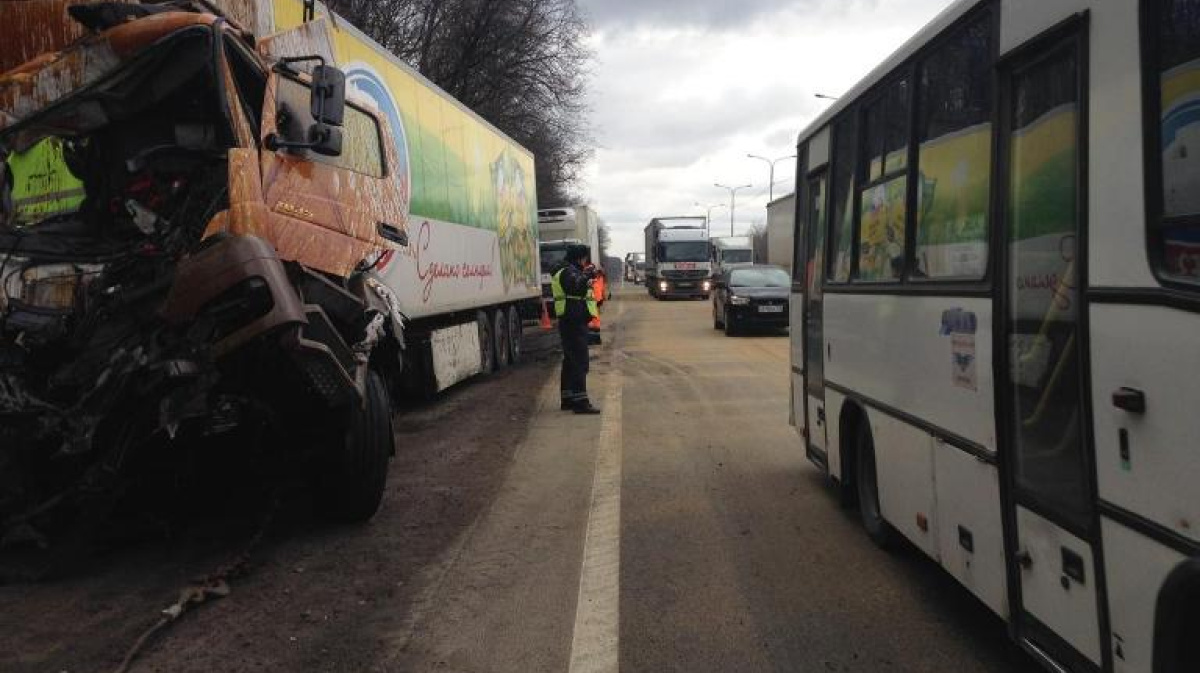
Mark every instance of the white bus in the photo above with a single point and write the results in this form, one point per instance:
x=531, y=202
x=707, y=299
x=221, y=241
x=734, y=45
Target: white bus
x=998, y=277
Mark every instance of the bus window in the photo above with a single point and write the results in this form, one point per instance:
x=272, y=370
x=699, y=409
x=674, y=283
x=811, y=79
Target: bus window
x=882, y=211
x=954, y=155
x=1177, y=236
x=843, y=196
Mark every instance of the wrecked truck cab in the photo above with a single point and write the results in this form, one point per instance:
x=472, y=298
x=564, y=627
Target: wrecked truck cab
x=205, y=281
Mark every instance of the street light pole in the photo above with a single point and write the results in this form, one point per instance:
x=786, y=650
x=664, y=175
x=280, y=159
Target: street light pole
x=708, y=214
x=771, y=163
x=732, y=201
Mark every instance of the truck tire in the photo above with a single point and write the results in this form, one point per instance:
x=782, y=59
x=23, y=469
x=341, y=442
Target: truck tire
x=515, y=329
x=500, y=337
x=355, y=475
x=487, y=348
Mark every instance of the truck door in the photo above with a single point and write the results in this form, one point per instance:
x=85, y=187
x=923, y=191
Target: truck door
x=332, y=212
x=1042, y=385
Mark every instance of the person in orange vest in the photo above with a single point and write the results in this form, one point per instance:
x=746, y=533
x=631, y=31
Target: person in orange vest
x=599, y=286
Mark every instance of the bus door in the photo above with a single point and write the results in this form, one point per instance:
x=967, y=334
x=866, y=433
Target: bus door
x=1044, y=410
x=814, y=361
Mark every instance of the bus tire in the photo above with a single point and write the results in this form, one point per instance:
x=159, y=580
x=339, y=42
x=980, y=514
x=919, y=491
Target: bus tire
x=487, y=352
x=867, y=482
x=354, y=476
x=500, y=337
x=515, y=329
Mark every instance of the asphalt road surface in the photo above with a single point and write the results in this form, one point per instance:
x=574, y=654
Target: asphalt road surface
x=681, y=530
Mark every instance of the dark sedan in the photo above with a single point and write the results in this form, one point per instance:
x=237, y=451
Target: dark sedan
x=751, y=296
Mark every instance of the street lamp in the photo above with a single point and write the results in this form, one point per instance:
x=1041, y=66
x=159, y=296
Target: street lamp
x=732, y=201
x=771, y=163
x=708, y=213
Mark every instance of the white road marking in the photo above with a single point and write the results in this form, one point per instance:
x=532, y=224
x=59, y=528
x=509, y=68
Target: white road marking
x=596, y=642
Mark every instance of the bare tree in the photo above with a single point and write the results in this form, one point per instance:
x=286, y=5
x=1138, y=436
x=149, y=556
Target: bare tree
x=520, y=64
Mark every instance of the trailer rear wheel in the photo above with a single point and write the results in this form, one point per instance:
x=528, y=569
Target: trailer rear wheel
x=354, y=476
x=500, y=337
x=515, y=329
x=487, y=350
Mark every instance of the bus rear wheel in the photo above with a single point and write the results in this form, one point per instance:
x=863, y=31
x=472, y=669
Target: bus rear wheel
x=867, y=482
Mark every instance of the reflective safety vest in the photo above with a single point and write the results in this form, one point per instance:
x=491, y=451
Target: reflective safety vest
x=561, y=297
x=42, y=183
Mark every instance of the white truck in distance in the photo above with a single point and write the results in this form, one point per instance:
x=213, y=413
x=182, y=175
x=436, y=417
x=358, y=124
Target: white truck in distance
x=731, y=251
x=677, y=258
x=560, y=227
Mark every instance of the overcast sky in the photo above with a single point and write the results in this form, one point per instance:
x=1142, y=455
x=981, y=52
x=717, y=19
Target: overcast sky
x=684, y=89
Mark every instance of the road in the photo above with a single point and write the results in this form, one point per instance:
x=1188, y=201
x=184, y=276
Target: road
x=681, y=530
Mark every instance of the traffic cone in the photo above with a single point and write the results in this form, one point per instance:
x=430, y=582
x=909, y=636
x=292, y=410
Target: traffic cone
x=546, y=324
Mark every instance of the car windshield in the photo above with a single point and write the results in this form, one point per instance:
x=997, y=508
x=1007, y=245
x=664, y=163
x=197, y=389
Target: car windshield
x=683, y=251
x=552, y=259
x=759, y=278
x=737, y=256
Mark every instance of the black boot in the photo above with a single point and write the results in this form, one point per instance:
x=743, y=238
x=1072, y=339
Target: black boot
x=585, y=407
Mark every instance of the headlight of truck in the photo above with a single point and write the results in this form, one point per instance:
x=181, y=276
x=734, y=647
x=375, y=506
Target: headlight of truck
x=707, y=285
x=663, y=286
x=738, y=301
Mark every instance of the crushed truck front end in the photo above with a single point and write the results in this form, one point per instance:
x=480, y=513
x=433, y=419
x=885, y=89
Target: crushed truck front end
x=180, y=262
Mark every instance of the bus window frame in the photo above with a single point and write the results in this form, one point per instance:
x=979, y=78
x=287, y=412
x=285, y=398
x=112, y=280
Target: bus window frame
x=879, y=94
x=1156, y=220
x=909, y=283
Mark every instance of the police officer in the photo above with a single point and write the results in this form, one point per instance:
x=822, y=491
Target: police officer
x=571, y=287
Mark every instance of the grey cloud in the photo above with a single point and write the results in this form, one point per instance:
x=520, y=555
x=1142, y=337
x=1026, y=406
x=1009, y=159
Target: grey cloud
x=711, y=14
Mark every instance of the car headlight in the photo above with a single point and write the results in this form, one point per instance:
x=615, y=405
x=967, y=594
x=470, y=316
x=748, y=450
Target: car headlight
x=738, y=301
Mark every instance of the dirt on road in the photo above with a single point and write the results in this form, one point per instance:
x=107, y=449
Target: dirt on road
x=311, y=596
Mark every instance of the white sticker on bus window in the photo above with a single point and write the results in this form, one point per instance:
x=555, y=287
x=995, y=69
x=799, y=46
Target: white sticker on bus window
x=962, y=353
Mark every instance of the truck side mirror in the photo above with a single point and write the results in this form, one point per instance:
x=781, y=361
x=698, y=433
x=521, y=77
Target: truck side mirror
x=328, y=102
x=325, y=139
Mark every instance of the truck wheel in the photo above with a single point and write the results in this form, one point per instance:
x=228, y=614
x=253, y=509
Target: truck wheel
x=500, y=337
x=515, y=329
x=487, y=350
x=355, y=475
x=867, y=481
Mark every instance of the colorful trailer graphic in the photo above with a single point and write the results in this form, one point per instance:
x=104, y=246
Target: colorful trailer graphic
x=473, y=211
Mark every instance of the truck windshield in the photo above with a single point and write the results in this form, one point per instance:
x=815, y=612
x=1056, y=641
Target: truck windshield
x=683, y=251
x=737, y=256
x=759, y=278
x=552, y=259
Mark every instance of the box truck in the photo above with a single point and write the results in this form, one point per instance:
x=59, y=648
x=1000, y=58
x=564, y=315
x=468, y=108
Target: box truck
x=731, y=251
x=677, y=258
x=560, y=227
x=235, y=220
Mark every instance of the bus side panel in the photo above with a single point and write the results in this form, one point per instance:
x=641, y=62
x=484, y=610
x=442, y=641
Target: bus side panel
x=1153, y=472
x=904, y=465
x=1135, y=568
x=970, y=528
x=929, y=357
x=827, y=434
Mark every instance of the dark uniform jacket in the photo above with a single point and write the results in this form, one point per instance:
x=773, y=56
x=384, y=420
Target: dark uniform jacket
x=575, y=284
